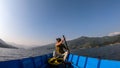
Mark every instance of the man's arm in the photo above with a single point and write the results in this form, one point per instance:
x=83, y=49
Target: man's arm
x=59, y=43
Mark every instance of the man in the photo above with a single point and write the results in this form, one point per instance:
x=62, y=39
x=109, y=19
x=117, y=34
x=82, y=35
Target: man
x=60, y=49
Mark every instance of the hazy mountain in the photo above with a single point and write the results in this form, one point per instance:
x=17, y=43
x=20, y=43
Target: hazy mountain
x=19, y=45
x=45, y=48
x=5, y=45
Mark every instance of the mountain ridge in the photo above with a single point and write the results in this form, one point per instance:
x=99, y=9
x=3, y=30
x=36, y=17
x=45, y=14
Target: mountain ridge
x=92, y=47
x=3, y=44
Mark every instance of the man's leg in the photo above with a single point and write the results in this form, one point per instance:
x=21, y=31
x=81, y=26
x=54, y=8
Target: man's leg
x=65, y=55
x=53, y=53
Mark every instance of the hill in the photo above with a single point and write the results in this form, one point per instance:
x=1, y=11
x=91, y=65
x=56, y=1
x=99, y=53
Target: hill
x=91, y=42
x=106, y=47
x=5, y=45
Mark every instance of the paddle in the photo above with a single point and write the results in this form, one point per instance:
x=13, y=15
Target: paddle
x=66, y=43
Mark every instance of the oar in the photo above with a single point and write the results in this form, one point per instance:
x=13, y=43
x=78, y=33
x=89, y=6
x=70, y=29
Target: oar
x=66, y=43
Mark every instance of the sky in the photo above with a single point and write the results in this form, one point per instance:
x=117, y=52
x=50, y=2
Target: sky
x=39, y=22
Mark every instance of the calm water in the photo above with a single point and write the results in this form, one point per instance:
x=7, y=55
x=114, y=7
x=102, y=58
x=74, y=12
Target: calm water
x=11, y=54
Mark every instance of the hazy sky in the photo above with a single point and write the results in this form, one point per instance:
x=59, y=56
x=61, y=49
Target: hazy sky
x=33, y=22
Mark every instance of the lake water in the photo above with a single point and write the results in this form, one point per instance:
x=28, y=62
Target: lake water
x=12, y=54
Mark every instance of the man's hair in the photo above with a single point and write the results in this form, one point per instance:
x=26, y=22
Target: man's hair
x=58, y=39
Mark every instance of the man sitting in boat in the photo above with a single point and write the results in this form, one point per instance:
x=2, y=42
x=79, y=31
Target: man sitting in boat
x=61, y=51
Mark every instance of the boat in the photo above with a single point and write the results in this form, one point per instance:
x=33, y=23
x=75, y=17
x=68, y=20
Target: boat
x=76, y=62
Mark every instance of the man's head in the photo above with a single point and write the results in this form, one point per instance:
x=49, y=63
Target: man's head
x=58, y=39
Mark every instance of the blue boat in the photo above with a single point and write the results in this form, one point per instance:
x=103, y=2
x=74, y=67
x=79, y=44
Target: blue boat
x=76, y=62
